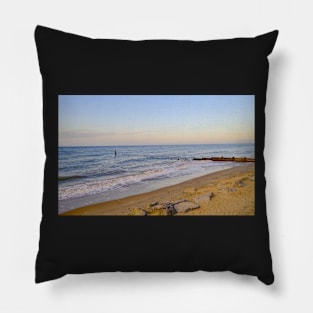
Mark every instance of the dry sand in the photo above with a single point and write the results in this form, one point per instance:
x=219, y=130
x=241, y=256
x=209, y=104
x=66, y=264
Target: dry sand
x=233, y=194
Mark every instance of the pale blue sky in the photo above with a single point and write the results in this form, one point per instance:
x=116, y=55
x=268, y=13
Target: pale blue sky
x=140, y=120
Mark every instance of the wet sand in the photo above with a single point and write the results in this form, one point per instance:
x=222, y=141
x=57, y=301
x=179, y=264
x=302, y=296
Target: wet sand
x=227, y=192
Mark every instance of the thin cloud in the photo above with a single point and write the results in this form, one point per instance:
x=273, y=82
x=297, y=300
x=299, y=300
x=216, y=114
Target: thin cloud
x=84, y=133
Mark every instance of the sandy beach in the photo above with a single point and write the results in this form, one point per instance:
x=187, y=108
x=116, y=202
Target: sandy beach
x=227, y=192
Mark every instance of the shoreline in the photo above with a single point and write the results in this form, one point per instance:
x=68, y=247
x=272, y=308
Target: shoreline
x=226, y=192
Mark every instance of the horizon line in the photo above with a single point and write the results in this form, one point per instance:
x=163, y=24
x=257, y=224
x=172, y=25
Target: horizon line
x=180, y=144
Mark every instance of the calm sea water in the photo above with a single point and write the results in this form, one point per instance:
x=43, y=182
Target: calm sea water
x=89, y=175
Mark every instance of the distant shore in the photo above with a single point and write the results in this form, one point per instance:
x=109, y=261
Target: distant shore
x=226, y=192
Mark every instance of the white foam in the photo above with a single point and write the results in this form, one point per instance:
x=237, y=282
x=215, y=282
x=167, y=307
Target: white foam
x=89, y=188
x=175, y=169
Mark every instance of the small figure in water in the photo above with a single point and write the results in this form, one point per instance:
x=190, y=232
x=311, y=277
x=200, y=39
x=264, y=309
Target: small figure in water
x=115, y=153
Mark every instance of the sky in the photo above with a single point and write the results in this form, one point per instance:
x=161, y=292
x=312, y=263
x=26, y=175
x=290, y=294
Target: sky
x=104, y=120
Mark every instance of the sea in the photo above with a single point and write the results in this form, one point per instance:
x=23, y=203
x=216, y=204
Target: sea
x=94, y=174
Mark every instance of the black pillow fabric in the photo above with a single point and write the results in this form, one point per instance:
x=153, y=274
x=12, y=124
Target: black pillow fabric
x=157, y=77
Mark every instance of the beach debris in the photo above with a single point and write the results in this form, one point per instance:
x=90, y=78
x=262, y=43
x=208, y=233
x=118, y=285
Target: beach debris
x=166, y=209
x=170, y=209
x=227, y=190
x=240, y=183
x=223, y=190
x=186, y=206
x=204, y=198
x=159, y=209
x=232, y=189
x=138, y=212
x=180, y=201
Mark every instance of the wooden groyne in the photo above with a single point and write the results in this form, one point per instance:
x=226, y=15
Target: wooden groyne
x=233, y=159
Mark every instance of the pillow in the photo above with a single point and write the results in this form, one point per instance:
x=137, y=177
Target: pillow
x=154, y=155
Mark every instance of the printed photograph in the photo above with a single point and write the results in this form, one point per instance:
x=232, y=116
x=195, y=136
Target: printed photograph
x=156, y=155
